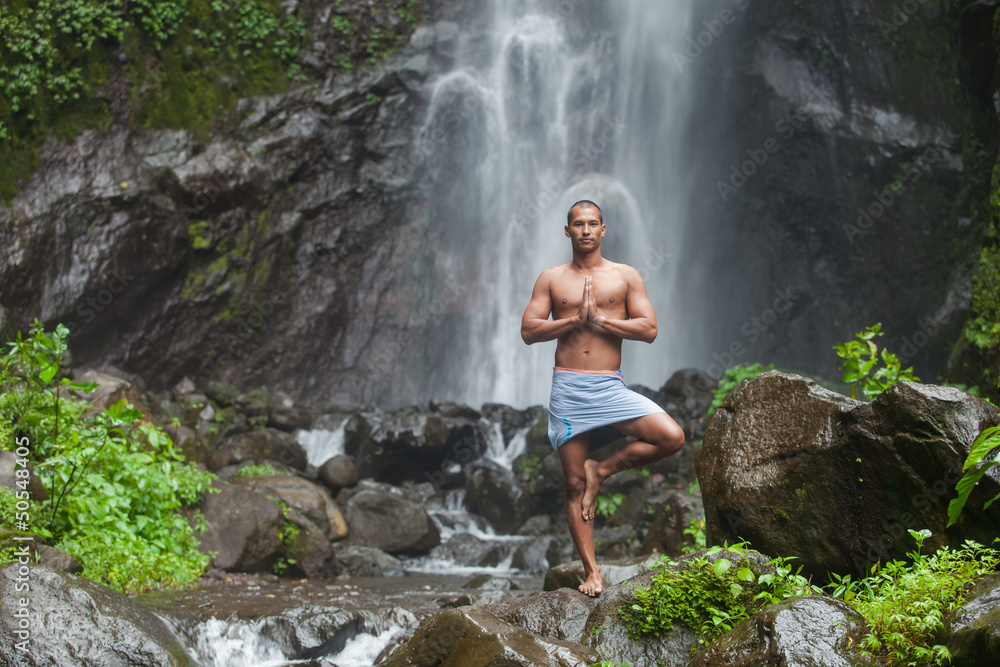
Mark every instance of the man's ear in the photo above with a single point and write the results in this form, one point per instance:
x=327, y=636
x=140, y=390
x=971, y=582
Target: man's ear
x=566, y=231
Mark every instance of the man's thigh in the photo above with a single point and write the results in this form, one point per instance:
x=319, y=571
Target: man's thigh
x=651, y=428
x=573, y=453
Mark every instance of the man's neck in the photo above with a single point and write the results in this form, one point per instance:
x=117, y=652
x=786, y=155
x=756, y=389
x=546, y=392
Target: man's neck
x=587, y=261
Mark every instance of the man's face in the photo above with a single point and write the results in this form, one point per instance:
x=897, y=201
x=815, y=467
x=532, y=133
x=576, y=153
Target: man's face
x=585, y=230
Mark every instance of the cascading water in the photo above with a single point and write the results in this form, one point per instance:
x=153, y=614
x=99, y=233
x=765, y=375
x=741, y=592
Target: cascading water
x=565, y=102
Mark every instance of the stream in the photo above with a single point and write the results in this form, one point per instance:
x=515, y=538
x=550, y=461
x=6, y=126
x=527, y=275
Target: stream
x=233, y=620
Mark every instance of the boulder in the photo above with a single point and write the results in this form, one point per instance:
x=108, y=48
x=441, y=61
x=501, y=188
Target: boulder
x=339, y=472
x=666, y=533
x=244, y=528
x=391, y=521
x=468, y=550
x=74, y=621
x=265, y=444
x=38, y=552
x=311, y=499
x=807, y=631
x=782, y=453
x=605, y=632
x=285, y=415
x=473, y=637
x=407, y=445
x=532, y=555
x=614, y=543
x=570, y=575
x=560, y=614
x=8, y=477
x=495, y=494
x=369, y=562
x=975, y=626
x=110, y=390
x=310, y=549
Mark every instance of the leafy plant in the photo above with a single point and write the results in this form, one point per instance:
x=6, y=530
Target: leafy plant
x=608, y=505
x=732, y=377
x=530, y=464
x=114, y=481
x=906, y=604
x=861, y=358
x=988, y=442
x=708, y=596
x=696, y=532
x=259, y=470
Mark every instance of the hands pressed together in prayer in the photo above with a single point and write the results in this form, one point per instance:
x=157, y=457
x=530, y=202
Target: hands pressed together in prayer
x=588, y=313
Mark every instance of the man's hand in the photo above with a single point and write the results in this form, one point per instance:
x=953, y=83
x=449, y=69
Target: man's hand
x=584, y=313
x=594, y=316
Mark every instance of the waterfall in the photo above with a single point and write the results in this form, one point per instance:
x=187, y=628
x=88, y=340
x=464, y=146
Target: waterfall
x=556, y=103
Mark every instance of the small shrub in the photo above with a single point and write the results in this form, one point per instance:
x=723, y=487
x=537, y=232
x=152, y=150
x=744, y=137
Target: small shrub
x=608, y=505
x=861, y=357
x=906, y=604
x=709, y=597
x=259, y=470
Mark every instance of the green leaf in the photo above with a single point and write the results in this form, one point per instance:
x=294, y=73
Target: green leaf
x=721, y=566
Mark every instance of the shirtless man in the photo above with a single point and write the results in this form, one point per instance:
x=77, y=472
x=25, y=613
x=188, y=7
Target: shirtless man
x=595, y=304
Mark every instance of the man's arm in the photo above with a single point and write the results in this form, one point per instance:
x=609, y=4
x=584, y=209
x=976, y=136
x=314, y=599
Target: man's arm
x=641, y=324
x=535, y=324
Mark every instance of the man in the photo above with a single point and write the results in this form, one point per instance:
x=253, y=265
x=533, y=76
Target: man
x=595, y=304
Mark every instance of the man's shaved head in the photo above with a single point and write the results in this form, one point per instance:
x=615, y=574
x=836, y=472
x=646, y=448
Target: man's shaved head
x=586, y=203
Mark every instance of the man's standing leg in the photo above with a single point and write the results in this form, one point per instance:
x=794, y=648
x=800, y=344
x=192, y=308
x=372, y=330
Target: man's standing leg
x=573, y=454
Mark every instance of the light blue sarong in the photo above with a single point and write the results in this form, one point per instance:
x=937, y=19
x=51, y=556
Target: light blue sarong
x=583, y=401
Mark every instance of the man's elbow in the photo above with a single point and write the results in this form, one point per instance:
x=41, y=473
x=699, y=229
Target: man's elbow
x=526, y=336
x=651, y=334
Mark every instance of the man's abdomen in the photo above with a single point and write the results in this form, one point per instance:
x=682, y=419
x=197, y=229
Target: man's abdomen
x=589, y=351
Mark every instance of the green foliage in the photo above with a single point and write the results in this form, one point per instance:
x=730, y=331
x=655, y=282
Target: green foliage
x=187, y=61
x=115, y=482
x=288, y=535
x=986, y=444
x=906, y=604
x=530, y=464
x=608, y=505
x=259, y=470
x=696, y=531
x=861, y=357
x=709, y=597
x=732, y=377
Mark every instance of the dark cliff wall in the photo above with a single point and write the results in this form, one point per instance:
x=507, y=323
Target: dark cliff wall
x=836, y=134
x=266, y=252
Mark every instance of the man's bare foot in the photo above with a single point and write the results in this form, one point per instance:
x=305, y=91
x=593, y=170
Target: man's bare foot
x=594, y=482
x=593, y=585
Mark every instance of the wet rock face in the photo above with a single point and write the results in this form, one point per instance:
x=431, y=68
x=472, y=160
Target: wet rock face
x=809, y=631
x=496, y=494
x=260, y=445
x=473, y=637
x=387, y=520
x=559, y=614
x=410, y=445
x=975, y=627
x=244, y=528
x=838, y=151
x=783, y=453
x=74, y=621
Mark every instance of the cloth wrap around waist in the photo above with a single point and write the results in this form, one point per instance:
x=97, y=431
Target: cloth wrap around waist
x=583, y=401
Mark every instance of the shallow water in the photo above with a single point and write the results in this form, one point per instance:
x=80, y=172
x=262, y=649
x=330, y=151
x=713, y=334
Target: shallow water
x=250, y=622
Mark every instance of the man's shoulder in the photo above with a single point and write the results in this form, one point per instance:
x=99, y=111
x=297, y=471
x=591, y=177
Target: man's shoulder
x=623, y=268
x=554, y=271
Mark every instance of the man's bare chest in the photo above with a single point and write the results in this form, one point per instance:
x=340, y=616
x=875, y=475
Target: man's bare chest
x=610, y=293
